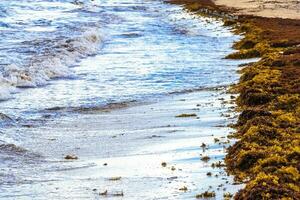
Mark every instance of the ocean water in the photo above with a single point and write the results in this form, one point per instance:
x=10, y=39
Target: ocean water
x=62, y=57
x=92, y=53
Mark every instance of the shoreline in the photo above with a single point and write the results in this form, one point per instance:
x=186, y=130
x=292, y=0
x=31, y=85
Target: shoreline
x=266, y=156
x=152, y=151
x=173, y=148
x=176, y=147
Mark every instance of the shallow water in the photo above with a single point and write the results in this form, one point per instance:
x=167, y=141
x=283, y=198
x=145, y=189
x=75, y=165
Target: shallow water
x=140, y=50
x=62, y=59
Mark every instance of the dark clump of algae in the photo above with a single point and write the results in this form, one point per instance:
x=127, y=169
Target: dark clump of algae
x=266, y=156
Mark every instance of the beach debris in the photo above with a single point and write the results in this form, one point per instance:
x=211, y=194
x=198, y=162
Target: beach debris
x=205, y=158
x=104, y=193
x=173, y=168
x=218, y=164
x=209, y=174
x=104, y=164
x=154, y=136
x=227, y=195
x=163, y=164
x=184, y=188
x=118, y=194
x=206, y=194
x=114, y=194
x=116, y=178
x=203, y=145
x=172, y=178
x=186, y=115
x=27, y=125
x=216, y=140
x=71, y=157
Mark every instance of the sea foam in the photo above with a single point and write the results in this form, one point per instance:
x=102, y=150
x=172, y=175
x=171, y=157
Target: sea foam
x=53, y=64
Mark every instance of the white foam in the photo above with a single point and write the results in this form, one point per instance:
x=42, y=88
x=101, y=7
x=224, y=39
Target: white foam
x=46, y=67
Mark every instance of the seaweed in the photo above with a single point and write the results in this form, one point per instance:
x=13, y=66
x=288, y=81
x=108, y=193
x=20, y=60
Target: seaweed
x=205, y=158
x=266, y=156
x=186, y=115
x=71, y=157
x=206, y=194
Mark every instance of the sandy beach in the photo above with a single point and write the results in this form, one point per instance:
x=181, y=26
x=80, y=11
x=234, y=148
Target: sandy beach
x=264, y=8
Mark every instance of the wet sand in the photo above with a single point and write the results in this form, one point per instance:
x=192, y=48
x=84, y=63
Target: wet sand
x=154, y=153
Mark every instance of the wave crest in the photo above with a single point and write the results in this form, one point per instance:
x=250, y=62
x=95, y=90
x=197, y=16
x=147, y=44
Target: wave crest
x=55, y=62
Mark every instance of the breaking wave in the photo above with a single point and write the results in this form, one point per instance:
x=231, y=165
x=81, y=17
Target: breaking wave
x=54, y=62
x=12, y=149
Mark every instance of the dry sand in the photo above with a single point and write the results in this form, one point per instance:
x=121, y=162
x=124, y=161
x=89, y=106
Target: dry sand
x=265, y=8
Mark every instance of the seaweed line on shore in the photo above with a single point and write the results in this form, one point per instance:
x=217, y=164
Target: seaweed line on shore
x=267, y=155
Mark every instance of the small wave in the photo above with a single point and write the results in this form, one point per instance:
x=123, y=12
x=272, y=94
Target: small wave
x=55, y=62
x=11, y=149
x=212, y=88
x=2, y=24
x=5, y=120
x=4, y=117
x=95, y=108
x=3, y=11
x=131, y=35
